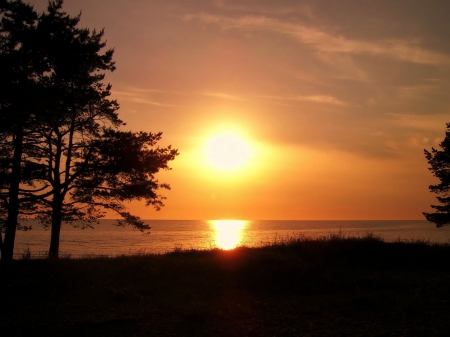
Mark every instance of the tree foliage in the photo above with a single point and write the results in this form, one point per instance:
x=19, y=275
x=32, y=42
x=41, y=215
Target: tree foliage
x=122, y=168
x=439, y=161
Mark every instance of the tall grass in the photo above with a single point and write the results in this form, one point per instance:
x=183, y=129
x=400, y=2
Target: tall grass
x=332, y=238
x=334, y=285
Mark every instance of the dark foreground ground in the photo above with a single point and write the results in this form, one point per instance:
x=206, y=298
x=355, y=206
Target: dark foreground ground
x=333, y=287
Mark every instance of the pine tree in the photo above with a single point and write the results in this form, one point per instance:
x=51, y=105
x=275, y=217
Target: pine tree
x=19, y=90
x=439, y=161
x=63, y=156
x=92, y=166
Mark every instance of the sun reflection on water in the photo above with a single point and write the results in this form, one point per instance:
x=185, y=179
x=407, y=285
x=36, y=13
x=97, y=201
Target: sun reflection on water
x=228, y=233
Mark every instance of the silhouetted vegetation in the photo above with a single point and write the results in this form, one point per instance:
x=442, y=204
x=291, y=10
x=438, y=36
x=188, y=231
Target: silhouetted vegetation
x=19, y=70
x=439, y=161
x=63, y=157
x=335, y=286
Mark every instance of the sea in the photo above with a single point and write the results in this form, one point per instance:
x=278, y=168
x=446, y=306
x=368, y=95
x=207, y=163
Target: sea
x=108, y=239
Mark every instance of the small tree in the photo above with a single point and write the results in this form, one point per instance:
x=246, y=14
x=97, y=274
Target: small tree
x=439, y=161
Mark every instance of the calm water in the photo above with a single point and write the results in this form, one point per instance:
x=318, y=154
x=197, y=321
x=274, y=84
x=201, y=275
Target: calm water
x=167, y=235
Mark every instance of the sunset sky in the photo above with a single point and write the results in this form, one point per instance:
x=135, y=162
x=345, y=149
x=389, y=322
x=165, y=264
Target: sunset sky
x=329, y=103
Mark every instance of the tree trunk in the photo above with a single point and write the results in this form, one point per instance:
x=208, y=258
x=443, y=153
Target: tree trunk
x=53, y=252
x=13, y=207
x=56, y=202
x=1, y=242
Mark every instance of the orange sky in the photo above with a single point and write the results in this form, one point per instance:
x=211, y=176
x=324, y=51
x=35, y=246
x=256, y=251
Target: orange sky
x=335, y=99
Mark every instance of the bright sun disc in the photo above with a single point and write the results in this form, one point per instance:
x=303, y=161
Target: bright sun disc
x=227, y=152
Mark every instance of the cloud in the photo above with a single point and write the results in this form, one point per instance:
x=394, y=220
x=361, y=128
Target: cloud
x=428, y=123
x=314, y=98
x=224, y=96
x=323, y=42
x=416, y=91
x=260, y=7
x=320, y=99
x=139, y=95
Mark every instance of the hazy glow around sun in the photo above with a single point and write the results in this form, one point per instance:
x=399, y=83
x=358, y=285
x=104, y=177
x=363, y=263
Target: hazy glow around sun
x=227, y=151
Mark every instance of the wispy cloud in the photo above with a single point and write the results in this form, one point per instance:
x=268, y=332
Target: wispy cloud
x=224, y=96
x=314, y=98
x=410, y=92
x=319, y=99
x=435, y=122
x=265, y=9
x=143, y=96
x=324, y=42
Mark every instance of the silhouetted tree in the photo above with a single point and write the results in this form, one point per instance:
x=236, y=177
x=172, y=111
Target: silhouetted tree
x=78, y=163
x=77, y=106
x=439, y=161
x=91, y=166
x=20, y=67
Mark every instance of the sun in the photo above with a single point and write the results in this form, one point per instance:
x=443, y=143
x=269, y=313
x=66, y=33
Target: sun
x=227, y=151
